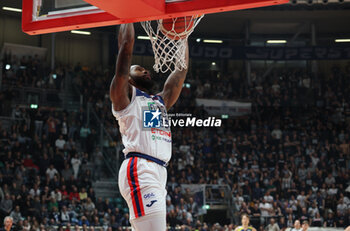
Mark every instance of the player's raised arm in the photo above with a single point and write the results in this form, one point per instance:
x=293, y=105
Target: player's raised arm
x=120, y=88
x=173, y=85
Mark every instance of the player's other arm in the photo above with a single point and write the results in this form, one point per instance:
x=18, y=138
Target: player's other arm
x=173, y=85
x=120, y=89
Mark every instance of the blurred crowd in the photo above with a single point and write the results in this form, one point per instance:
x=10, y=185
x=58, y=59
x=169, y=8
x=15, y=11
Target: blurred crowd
x=287, y=161
x=30, y=71
x=46, y=178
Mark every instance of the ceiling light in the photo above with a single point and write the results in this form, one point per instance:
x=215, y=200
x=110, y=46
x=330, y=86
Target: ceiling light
x=212, y=41
x=144, y=37
x=276, y=41
x=80, y=32
x=342, y=40
x=12, y=9
x=198, y=40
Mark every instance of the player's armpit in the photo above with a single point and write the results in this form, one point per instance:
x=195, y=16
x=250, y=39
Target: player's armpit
x=120, y=94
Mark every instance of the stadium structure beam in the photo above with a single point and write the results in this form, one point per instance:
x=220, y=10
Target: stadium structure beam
x=247, y=43
x=53, y=50
x=314, y=66
x=1, y=67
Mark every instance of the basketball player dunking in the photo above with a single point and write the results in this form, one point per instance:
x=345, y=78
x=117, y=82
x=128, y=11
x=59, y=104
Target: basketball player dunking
x=143, y=174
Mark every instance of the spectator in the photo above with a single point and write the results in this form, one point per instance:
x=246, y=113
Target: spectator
x=16, y=215
x=317, y=221
x=342, y=207
x=83, y=194
x=297, y=226
x=125, y=220
x=329, y=180
x=304, y=216
x=290, y=222
x=276, y=133
x=282, y=223
x=98, y=163
x=38, y=122
x=272, y=226
x=301, y=198
x=52, y=124
x=84, y=221
x=8, y=221
x=329, y=221
x=265, y=208
x=305, y=226
x=313, y=210
x=51, y=172
x=89, y=206
x=65, y=217
x=57, y=195
x=64, y=193
x=60, y=143
x=74, y=195
x=6, y=205
x=67, y=172
x=84, y=133
x=75, y=165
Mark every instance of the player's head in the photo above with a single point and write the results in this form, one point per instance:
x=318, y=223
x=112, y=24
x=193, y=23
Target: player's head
x=140, y=78
x=245, y=219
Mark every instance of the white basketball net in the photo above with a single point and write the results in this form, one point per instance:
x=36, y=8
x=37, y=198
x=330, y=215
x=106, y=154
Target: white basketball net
x=169, y=53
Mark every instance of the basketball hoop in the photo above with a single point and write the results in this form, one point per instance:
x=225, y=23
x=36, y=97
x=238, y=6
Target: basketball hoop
x=169, y=41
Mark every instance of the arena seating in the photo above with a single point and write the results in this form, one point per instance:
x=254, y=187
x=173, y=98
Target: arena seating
x=288, y=160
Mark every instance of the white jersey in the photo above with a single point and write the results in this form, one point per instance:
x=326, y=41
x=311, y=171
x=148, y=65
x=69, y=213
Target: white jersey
x=155, y=142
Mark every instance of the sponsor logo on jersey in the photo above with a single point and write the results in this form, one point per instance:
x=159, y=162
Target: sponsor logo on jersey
x=148, y=195
x=151, y=203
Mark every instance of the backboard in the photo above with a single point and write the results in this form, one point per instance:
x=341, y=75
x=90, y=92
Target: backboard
x=47, y=16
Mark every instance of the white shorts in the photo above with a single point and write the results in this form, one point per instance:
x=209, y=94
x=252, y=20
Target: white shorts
x=152, y=222
x=142, y=184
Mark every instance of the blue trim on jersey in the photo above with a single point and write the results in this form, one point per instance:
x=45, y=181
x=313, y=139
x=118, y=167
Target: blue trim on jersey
x=132, y=176
x=147, y=157
x=160, y=99
x=155, y=97
x=141, y=93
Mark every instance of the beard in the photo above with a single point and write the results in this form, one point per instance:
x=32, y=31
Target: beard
x=143, y=83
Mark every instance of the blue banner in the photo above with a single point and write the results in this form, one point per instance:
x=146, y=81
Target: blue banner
x=256, y=53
